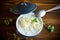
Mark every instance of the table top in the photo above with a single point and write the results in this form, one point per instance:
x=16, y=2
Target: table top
x=51, y=18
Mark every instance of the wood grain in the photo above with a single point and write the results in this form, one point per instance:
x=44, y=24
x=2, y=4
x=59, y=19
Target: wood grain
x=51, y=18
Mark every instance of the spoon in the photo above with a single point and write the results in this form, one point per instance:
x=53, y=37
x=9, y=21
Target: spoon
x=42, y=13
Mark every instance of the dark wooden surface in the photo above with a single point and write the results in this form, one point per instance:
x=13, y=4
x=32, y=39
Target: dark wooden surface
x=51, y=18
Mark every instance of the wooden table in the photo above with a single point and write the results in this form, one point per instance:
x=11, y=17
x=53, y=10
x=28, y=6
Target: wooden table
x=51, y=18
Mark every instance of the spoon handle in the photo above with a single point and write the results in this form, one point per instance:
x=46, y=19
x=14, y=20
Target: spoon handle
x=54, y=8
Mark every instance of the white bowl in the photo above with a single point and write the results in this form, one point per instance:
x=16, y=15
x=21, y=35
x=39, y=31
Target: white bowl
x=21, y=32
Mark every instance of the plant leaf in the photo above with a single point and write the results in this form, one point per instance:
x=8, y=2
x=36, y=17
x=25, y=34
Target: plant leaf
x=14, y=35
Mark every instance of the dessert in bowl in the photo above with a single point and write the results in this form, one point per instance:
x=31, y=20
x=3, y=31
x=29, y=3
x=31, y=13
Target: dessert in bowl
x=29, y=24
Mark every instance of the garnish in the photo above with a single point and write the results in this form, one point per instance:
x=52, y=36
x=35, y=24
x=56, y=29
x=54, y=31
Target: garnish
x=50, y=28
x=35, y=19
x=7, y=21
x=11, y=10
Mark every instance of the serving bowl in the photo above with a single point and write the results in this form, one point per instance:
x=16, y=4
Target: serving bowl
x=21, y=31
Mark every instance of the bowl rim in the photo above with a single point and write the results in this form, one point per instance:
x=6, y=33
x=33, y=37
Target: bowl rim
x=21, y=32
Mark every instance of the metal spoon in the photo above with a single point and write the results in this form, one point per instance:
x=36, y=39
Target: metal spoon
x=42, y=13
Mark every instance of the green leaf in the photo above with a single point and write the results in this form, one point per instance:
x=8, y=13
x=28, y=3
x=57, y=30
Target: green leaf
x=18, y=38
x=35, y=19
x=10, y=20
x=6, y=22
x=50, y=28
x=14, y=35
x=9, y=33
x=11, y=10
